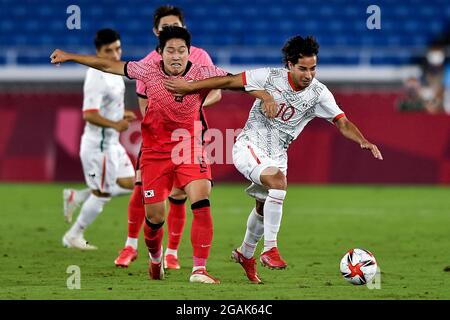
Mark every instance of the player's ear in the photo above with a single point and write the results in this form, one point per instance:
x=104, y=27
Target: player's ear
x=290, y=65
x=156, y=32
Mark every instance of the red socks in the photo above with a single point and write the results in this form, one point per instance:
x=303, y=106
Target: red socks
x=201, y=231
x=136, y=212
x=153, y=234
x=175, y=222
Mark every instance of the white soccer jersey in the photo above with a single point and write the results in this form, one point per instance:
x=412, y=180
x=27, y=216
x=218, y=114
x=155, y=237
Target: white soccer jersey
x=295, y=110
x=103, y=93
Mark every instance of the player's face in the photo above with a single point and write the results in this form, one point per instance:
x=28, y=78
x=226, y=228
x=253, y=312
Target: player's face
x=304, y=71
x=175, y=56
x=166, y=21
x=111, y=51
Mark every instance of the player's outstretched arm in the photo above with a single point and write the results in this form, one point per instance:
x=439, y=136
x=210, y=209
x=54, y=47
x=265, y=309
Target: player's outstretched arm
x=102, y=64
x=350, y=131
x=96, y=119
x=182, y=86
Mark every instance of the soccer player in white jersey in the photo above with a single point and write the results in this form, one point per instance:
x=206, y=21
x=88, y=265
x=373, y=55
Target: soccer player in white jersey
x=108, y=170
x=260, y=151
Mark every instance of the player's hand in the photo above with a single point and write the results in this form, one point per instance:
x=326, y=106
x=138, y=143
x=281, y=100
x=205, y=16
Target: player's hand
x=269, y=107
x=59, y=56
x=376, y=153
x=179, y=86
x=129, y=116
x=121, y=125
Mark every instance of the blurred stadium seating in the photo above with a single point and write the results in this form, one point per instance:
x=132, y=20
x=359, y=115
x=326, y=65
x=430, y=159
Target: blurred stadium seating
x=363, y=68
x=235, y=31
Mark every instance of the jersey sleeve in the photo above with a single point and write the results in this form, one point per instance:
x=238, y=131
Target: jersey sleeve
x=136, y=69
x=327, y=107
x=216, y=71
x=94, y=89
x=140, y=85
x=140, y=89
x=255, y=79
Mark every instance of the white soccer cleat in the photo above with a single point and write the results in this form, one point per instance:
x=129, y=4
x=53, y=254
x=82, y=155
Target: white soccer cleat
x=69, y=204
x=202, y=276
x=77, y=243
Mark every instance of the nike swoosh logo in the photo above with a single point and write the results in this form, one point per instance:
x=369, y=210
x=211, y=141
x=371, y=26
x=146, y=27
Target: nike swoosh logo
x=205, y=246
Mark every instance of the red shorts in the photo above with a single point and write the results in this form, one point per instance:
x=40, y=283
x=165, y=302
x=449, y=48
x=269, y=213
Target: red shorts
x=159, y=176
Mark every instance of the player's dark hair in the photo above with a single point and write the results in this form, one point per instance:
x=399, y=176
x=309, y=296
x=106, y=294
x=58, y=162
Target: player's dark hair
x=298, y=47
x=165, y=11
x=104, y=37
x=172, y=32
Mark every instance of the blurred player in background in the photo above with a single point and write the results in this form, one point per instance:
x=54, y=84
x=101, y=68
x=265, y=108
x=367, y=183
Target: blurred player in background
x=107, y=168
x=164, y=16
x=260, y=151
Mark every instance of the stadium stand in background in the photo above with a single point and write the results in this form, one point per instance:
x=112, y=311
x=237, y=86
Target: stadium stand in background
x=235, y=32
x=366, y=70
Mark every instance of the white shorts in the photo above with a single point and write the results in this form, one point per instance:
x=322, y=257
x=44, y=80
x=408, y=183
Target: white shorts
x=102, y=169
x=251, y=161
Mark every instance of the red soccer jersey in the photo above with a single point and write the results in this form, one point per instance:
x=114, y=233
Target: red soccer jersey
x=166, y=112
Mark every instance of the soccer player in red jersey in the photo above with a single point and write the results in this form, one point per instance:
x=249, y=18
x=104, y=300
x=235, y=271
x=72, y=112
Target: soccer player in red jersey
x=160, y=167
x=164, y=16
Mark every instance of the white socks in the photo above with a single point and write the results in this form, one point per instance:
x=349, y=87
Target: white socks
x=172, y=252
x=132, y=242
x=267, y=225
x=89, y=211
x=254, y=233
x=273, y=210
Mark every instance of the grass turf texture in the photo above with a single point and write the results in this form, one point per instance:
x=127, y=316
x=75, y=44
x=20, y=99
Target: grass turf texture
x=407, y=228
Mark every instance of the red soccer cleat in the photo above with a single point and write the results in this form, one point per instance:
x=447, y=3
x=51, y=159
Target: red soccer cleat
x=171, y=262
x=272, y=260
x=249, y=265
x=156, y=270
x=202, y=276
x=126, y=256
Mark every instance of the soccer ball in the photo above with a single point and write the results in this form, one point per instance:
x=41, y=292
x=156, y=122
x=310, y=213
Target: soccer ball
x=358, y=266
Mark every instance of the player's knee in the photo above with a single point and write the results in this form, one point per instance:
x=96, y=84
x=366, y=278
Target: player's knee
x=154, y=225
x=155, y=213
x=198, y=190
x=155, y=219
x=278, y=181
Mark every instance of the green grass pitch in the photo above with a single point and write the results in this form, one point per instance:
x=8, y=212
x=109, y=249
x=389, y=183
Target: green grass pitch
x=406, y=227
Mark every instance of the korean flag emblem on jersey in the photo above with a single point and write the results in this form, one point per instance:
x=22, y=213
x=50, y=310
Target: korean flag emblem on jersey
x=149, y=193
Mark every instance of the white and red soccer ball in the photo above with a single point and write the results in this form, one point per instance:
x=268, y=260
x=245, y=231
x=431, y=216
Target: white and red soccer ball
x=358, y=266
